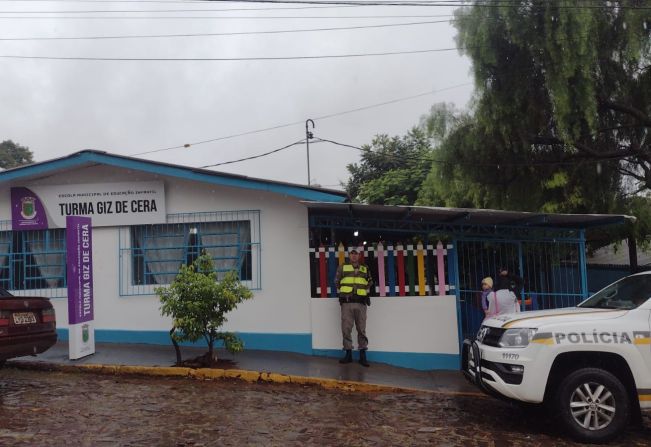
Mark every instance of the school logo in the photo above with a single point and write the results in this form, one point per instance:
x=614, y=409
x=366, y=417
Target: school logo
x=28, y=207
x=85, y=333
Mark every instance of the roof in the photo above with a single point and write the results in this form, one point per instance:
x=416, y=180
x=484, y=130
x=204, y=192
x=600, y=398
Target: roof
x=93, y=157
x=469, y=216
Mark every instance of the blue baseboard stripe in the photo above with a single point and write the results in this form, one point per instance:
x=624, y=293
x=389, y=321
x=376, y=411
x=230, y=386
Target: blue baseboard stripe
x=299, y=343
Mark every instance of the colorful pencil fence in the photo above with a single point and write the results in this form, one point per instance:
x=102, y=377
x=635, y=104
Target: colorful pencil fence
x=397, y=270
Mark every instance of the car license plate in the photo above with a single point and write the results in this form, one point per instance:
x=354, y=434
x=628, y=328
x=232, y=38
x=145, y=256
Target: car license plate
x=24, y=318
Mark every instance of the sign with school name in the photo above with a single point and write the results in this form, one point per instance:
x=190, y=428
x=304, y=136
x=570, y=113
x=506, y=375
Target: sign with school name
x=79, y=262
x=38, y=207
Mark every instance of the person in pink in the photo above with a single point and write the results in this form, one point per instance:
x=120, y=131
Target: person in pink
x=503, y=300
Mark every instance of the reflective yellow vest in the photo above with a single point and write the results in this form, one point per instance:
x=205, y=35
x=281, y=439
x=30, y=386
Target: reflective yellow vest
x=349, y=282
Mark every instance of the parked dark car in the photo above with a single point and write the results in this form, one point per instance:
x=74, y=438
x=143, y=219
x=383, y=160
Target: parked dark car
x=27, y=325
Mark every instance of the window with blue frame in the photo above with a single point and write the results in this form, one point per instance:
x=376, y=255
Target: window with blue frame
x=157, y=251
x=34, y=259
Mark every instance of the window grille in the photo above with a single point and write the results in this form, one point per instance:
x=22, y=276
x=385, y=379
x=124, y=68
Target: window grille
x=151, y=255
x=33, y=261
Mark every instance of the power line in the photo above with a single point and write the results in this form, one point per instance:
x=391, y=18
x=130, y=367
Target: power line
x=149, y=36
x=322, y=117
x=482, y=165
x=453, y=3
x=394, y=16
x=123, y=11
x=240, y=59
x=419, y=3
x=256, y=156
x=414, y=158
x=237, y=33
x=226, y=59
x=447, y=3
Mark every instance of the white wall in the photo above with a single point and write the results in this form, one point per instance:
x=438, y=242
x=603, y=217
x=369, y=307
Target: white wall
x=281, y=306
x=413, y=324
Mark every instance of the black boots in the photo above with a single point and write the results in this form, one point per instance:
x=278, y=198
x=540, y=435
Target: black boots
x=362, y=358
x=348, y=357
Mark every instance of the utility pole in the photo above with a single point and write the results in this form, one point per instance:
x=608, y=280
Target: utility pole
x=308, y=136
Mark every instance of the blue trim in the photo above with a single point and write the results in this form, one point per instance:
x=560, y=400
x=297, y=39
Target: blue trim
x=523, y=306
x=412, y=360
x=186, y=173
x=453, y=278
x=391, y=269
x=583, y=266
x=299, y=343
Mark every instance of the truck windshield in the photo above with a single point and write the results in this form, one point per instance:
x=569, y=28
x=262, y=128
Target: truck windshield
x=627, y=293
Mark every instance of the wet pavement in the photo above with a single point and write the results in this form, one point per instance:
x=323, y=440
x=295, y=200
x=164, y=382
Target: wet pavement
x=40, y=408
x=266, y=361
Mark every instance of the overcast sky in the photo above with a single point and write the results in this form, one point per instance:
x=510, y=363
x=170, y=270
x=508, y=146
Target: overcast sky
x=56, y=107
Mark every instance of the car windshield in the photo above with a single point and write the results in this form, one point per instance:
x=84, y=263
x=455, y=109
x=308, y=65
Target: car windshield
x=627, y=293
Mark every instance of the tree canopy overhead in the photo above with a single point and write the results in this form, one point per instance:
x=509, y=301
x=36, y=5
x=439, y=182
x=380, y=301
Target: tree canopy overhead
x=558, y=82
x=560, y=117
x=561, y=111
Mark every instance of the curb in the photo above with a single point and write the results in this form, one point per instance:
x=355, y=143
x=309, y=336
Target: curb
x=233, y=374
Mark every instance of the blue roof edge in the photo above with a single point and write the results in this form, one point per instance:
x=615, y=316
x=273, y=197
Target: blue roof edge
x=179, y=171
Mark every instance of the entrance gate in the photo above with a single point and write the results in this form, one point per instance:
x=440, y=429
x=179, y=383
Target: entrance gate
x=552, y=274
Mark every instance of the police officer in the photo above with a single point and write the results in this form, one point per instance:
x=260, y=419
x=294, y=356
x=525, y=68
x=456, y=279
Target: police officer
x=354, y=282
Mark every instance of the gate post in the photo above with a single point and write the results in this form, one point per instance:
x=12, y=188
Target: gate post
x=523, y=306
x=453, y=281
x=582, y=264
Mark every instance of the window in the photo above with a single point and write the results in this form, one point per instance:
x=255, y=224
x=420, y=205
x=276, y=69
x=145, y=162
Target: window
x=151, y=255
x=34, y=259
x=627, y=293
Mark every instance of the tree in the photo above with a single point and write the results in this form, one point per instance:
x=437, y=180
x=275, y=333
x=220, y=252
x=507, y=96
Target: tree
x=561, y=107
x=557, y=78
x=198, y=304
x=392, y=169
x=13, y=154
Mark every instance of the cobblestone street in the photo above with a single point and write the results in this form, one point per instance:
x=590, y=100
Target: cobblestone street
x=56, y=409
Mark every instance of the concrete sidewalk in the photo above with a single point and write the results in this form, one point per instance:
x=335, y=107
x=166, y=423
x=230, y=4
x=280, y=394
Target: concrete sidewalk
x=255, y=361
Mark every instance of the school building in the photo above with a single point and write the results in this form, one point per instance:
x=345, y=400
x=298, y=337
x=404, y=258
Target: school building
x=285, y=241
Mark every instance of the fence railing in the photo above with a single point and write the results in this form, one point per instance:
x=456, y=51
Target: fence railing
x=397, y=269
x=551, y=275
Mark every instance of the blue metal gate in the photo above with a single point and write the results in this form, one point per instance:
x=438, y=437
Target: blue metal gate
x=552, y=271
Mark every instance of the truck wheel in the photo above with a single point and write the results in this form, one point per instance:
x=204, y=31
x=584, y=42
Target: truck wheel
x=593, y=405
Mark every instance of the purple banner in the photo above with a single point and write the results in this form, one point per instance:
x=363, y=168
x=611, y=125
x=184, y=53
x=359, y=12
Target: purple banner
x=27, y=211
x=79, y=260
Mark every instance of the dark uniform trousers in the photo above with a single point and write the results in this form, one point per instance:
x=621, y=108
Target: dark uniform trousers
x=354, y=313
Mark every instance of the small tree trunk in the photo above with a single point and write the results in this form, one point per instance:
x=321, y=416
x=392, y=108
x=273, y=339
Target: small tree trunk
x=211, y=352
x=176, y=347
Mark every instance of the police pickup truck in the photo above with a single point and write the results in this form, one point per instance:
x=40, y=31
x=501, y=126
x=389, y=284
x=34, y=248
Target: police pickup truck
x=590, y=364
